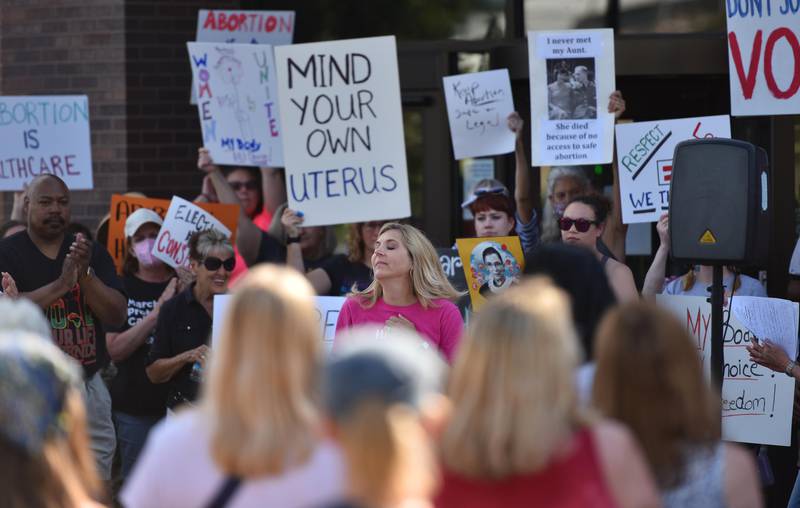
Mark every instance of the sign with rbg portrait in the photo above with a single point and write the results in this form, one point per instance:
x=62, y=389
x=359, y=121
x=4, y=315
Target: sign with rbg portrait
x=491, y=265
x=342, y=133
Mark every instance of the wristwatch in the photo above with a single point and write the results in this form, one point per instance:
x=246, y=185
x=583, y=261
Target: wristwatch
x=789, y=368
x=292, y=239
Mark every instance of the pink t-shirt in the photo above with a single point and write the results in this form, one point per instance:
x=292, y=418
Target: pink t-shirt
x=440, y=323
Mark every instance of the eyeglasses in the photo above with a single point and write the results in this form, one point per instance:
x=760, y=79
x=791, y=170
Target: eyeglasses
x=212, y=264
x=582, y=225
x=249, y=185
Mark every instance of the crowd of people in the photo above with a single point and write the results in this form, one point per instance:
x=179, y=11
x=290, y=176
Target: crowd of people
x=568, y=389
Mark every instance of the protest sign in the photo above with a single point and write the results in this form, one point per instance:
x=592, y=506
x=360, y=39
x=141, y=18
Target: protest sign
x=122, y=206
x=478, y=105
x=237, y=106
x=644, y=154
x=764, y=56
x=328, y=308
x=571, y=79
x=181, y=221
x=45, y=135
x=756, y=402
x=243, y=27
x=495, y=264
x=453, y=268
x=343, y=131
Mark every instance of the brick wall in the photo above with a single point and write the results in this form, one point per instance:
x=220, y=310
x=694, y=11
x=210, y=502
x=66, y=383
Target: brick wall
x=163, y=128
x=130, y=58
x=73, y=47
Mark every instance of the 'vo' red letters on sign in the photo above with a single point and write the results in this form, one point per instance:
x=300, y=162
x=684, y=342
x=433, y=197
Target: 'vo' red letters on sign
x=748, y=79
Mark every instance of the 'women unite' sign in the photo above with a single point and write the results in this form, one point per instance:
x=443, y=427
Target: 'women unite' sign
x=764, y=56
x=235, y=85
x=343, y=130
x=45, y=135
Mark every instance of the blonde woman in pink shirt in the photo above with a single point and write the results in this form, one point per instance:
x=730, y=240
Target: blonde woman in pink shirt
x=409, y=289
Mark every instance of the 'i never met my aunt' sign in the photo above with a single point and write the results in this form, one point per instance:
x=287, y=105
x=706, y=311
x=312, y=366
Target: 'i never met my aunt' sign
x=343, y=144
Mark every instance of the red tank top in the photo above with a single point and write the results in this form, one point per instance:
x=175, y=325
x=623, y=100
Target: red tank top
x=574, y=481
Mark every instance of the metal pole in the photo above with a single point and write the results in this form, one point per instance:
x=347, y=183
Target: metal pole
x=717, y=351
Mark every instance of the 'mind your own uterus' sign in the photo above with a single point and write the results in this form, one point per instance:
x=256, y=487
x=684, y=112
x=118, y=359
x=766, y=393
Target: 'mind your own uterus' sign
x=343, y=130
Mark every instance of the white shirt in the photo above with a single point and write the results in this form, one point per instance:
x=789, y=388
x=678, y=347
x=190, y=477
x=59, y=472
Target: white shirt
x=176, y=470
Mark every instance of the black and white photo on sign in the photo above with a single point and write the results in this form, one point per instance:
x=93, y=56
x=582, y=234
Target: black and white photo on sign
x=571, y=80
x=571, y=88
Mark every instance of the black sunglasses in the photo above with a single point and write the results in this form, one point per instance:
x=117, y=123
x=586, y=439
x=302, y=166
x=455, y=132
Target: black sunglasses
x=582, y=225
x=249, y=185
x=212, y=264
x=490, y=190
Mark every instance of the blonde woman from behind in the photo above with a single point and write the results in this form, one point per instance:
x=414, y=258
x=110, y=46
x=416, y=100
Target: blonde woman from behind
x=254, y=438
x=517, y=436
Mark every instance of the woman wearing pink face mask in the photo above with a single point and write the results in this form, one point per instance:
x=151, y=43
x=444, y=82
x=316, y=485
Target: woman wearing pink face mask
x=137, y=403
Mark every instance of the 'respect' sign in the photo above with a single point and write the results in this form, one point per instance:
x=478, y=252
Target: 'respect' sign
x=45, y=135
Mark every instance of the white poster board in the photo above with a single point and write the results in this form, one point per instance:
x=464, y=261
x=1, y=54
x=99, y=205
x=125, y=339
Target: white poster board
x=243, y=27
x=756, y=402
x=45, y=135
x=237, y=105
x=343, y=131
x=571, y=79
x=764, y=57
x=328, y=308
x=183, y=218
x=644, y=159
x=478, y=105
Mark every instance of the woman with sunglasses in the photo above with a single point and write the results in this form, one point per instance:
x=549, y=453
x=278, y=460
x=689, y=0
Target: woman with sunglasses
x=179, y=350
x=583, y=224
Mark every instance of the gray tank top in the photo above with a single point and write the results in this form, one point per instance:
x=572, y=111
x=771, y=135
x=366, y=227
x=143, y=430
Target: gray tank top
x=703, y=482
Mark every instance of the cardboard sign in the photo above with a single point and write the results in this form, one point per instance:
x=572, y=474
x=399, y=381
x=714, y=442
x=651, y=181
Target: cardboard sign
x=764, y=56
x=478, y=106
x=45, y=135
x=571, y=79
x=328, y=308
x=237, y=106
x=343, y=131
x=644, y=154
x=756, y=402
x=243, y=27
x=182, y=220
x=495, y=264
x=123, y=206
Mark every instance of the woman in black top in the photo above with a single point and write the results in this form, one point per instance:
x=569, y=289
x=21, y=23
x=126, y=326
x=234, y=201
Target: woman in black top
x=337, y=275
x=184, y=323
x=137, y=403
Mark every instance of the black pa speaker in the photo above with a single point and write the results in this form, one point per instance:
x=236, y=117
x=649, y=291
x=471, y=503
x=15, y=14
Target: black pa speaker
x=719, y=203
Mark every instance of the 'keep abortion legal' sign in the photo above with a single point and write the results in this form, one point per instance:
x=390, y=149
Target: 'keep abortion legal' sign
x=764, y=56
x=343, y=130
x=45, y=135
x=644, y=153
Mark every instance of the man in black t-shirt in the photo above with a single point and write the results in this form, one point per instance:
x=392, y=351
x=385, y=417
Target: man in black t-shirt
x=75, y=283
